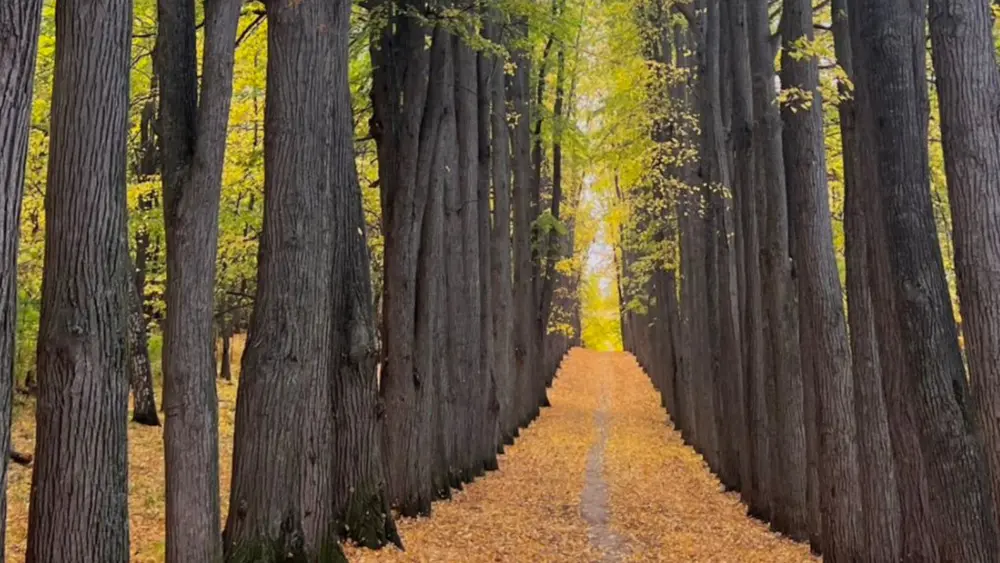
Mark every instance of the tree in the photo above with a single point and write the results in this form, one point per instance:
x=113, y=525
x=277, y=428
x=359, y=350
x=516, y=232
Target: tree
x=931, y=381
x=193, y=139
x=880, y=516
x=79, y=494
x=307, y=393
x=19, y=23
x=967, y=75
x=788, y=444
x=140, y=374
x=819, y=292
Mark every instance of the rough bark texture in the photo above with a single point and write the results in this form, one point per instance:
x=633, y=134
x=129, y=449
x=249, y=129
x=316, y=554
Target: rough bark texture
x=406, y=157
x=140, y=374
x=968, y=84
x=789, y=511
x=502, y=273
x=880, y=516
x=193, y=129
x=19, y=22
x=79, y=493
x=525, y=347
x=821, y=305
x=307, y=465
x=754, y=463
x=931, y=383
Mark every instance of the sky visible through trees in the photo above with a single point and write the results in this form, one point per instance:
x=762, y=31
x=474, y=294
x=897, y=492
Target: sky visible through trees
x=339, y=250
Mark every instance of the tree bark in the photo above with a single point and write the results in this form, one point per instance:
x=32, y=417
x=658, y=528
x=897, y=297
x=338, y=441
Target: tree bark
x=502, y=280
x=140, y=373
x=307, y=390
x=930, y=387
x=193, y=131
x=789, y=510
x=79, y=493
x=880, y=517
x=968, y=83
x=821, y=305
x=19, y=23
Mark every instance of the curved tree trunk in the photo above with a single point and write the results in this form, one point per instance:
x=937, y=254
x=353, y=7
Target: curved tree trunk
x=79, y=493
x=19, y=22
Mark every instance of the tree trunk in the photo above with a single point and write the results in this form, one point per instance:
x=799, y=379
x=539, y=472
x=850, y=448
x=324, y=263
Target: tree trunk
x=968, y=83
x=193, y=133
x=79, y=493
x=821, y=305
x=753, y=467
x=931, y=381
x=488, y=437
x=880, y=517
x=502, y=281
x=789, y=510
x=140, y=374
x=226, y=365
x=525, y=346
x=307, y=389
x=401, y=95
x=19, y=22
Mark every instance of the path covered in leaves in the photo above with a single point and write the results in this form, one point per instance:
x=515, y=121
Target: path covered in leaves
x=600, y=476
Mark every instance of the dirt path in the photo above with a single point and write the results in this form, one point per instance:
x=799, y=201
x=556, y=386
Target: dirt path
x=599, y=477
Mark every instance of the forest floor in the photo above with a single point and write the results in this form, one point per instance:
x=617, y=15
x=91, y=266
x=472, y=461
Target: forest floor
x=599, y=476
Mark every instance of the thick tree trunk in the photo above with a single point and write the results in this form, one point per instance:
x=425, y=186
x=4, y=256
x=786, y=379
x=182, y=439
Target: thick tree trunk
x=880, y=517
x=917, y=541
x=502, y=274
x=193, y=131
x=929, y=388
x=753, y=464
x=19, y=21
x=526, y=349
x=79, y=493
x=789, y=509
x=308, y=368
x=402, y=95
x=488, y=437
x=463, y=209
x=968, y=84
x=821, y=305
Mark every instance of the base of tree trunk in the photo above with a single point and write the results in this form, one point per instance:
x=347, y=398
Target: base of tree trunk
x=287, y=549
x=368, y=521
x=146, y=418
x=491, y=464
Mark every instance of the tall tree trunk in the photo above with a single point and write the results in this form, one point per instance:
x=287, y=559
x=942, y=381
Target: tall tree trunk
x=502, y=274
x=407, y=139
x=79, y=492
x=19, y=22
x=880, y=517
x=489, y=405
x=307, y=391
x=931, y=383
x=525, y=345
x=917, y=541
x=968, y=83
x=789, y=510
x=193, y=133
x=753, y=465
x=464, y=208
x=821, y=305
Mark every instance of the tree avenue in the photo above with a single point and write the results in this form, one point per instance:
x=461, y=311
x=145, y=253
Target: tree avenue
x=344, y=247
